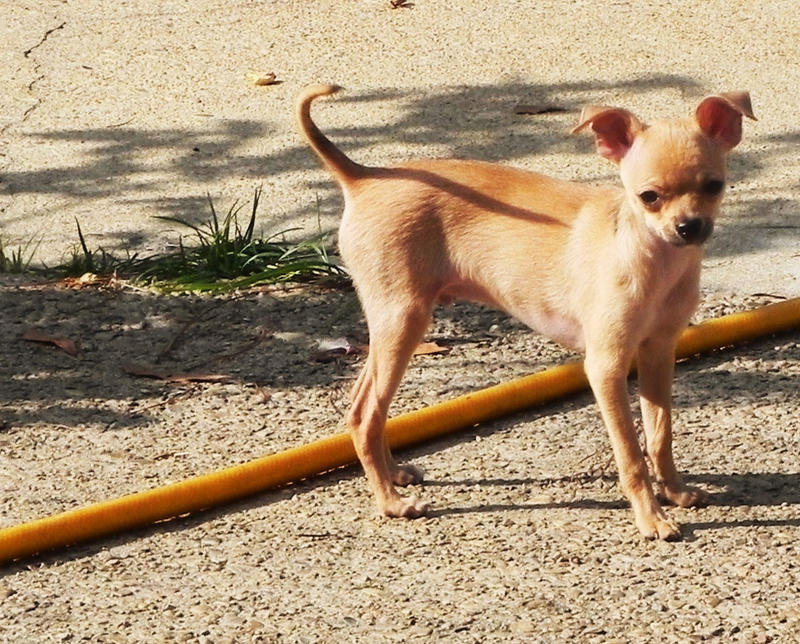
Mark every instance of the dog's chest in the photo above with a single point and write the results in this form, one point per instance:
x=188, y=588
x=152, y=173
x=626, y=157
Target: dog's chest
x=667, y=298
x=559, y=326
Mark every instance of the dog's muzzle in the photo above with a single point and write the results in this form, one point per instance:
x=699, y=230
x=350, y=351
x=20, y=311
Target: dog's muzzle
x=694, y=230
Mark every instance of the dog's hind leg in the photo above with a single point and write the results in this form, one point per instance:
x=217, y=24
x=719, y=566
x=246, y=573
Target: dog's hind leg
x=395, y=331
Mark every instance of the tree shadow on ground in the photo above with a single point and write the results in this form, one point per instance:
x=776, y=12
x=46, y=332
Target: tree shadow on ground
x=269, y=342
x=278, y=337
x=109, y=155
x=476, y=122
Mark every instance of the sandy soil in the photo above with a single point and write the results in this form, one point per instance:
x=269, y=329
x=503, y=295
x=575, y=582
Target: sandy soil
x=116, y=112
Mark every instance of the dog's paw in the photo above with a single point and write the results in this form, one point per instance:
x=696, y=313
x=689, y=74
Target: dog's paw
x=407, y=507
x=404, y=475
x=684, y=496
x=658, y=527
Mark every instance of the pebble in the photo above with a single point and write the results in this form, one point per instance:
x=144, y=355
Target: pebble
x=523, y=627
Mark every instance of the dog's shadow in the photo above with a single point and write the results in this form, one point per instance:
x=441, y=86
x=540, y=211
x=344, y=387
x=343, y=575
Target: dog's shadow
x=753, y=489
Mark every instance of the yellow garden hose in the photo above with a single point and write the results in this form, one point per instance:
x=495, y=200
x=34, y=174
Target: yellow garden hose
x=295, y=464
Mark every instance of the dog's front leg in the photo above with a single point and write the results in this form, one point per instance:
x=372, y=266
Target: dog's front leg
x=607, y=369
x=656, y=361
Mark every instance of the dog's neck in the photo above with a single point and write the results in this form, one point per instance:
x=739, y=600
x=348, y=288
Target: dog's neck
x=647, y=262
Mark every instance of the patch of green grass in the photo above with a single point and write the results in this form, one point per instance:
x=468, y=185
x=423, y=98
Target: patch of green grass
x=220, y=255
x=99, y=262
x=19, y=260
x=227, y=257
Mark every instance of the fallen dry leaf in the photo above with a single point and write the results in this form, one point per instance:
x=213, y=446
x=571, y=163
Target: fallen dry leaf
x=90, y=280
x=428, y=348
x=335, y=344
x=65, y=344
x=333, y=348
x=262, y=79
x=145, y=371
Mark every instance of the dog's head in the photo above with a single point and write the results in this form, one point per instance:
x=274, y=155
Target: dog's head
x=673, y=171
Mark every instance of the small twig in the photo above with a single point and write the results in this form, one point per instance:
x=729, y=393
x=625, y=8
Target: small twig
x=540, y=109
x=206, y=315
x=121, y=123
x=176, y=339
x=189, y=391
x=146, y=371
x=260, y=336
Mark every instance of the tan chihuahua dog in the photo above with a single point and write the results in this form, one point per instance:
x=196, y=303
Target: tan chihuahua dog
x=611, y=271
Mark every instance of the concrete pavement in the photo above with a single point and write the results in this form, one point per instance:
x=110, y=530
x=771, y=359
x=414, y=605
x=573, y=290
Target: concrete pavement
x=116, y=113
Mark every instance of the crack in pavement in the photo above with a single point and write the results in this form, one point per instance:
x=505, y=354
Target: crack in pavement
x=46, y=35
x=37, y=66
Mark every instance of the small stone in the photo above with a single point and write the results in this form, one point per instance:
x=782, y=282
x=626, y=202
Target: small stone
x=523, y=627
x=217, y=556
x=232, y=621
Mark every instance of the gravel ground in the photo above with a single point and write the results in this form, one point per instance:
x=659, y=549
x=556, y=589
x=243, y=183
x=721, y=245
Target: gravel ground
x=530, y=538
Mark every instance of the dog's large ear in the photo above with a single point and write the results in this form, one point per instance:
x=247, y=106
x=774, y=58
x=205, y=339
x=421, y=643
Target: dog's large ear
x=614, y=129
x=720, y=117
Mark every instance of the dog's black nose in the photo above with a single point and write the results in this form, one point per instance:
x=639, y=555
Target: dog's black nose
x=695, y=230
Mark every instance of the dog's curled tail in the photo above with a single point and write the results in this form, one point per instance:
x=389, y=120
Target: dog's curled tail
x=334, y=159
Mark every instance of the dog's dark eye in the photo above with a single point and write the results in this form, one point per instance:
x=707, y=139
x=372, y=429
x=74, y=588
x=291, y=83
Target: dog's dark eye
x=649, y=197
x=713, y=187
